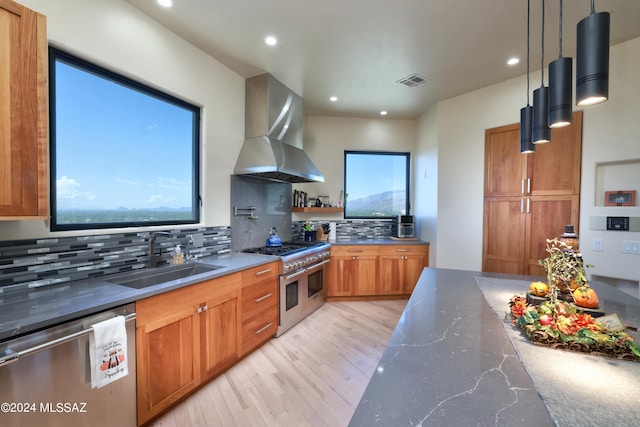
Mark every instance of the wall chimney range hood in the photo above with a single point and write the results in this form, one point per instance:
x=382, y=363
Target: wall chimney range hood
x=272, y=148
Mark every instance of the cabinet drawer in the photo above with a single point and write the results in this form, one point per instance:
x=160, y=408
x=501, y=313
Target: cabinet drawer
x=356, y=250
x=404, y=250
x=258, y=297
x=259, y=273
x=259, y=329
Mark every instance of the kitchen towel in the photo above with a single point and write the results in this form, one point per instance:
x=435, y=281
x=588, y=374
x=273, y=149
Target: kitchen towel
x=108, y=351
x=332, y=231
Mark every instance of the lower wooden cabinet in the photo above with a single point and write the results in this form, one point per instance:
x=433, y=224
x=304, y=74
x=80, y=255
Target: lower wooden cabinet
x=376, y=270
x=400, y=267
x=188, y=336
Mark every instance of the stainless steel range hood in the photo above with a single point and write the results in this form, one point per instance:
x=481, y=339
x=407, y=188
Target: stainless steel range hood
x=272, y=148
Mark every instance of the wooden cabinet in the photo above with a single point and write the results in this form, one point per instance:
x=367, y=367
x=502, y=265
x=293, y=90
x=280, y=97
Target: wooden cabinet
x=353, y=270
x=23, y=113
x=528, y=197
x=400, y=267
x=259, y=305
x=184, y=337
x=376, y=270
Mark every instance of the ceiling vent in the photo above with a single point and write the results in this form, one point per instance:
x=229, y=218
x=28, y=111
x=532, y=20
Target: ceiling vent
x=413, y=80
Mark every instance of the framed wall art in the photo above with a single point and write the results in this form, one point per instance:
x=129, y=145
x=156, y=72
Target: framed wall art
x=620, y=198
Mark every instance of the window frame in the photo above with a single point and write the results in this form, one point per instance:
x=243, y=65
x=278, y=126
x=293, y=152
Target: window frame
x=56, y=55
x=405, y=154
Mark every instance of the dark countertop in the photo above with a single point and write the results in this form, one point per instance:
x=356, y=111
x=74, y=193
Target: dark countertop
x=451, y=361
x=39, y=308
x=382, y=241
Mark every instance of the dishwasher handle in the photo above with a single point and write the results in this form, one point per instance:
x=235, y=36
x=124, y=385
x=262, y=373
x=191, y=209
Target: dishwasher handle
x=11, y=356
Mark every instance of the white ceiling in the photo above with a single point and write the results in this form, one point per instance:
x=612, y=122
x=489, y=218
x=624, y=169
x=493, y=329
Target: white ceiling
x=358, y=49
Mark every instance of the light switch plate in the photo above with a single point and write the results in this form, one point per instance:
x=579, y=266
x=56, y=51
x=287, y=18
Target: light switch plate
x=597, y=245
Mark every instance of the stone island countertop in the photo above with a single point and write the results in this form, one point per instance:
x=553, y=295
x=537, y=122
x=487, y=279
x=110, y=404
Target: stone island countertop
x=453, y=360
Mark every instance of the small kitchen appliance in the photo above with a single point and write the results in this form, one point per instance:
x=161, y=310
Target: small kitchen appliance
x=404, y=226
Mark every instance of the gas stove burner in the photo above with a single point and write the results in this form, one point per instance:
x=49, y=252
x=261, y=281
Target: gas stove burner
x=287, y=248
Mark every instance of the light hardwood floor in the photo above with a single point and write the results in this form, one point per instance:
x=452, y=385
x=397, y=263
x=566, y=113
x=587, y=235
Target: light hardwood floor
x=313, y=375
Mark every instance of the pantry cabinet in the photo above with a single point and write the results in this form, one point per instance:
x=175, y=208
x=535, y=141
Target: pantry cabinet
x=183, y=338
x=376, y=270
x=528, y=198
x=23, y=113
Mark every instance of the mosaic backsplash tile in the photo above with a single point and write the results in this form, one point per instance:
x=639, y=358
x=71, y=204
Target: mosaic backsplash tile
x=347, y=230
x=42, y=262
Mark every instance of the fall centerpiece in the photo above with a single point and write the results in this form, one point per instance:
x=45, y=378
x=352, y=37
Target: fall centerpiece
x=563, y=312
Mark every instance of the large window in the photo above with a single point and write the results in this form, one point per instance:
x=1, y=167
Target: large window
x=122, y=154
x=376, y=184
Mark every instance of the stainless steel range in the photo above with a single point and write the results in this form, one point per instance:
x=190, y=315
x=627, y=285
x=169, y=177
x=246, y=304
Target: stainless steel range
x=303, y=279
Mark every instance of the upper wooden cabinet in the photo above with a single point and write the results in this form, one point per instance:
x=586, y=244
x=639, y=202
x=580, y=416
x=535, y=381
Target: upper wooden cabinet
x=528, y=197
x=24, y=180
x=554, y=169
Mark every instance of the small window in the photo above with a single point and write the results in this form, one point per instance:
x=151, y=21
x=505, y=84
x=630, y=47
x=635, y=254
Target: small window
x=376, y=184
x=122, y=154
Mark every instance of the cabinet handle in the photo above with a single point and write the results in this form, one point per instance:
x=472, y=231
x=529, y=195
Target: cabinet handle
x=260, y=273
x=528, y=205
x=522, y=205
x=355, y=257
x=528, y=185
x=262, y=298
x=402, y=250
x=205, y=308
x=199, y=310
x=264, y=328
x=354, y=250
x=522, y=186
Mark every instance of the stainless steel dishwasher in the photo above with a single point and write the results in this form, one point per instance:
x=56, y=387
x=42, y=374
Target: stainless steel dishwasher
x=45, y=378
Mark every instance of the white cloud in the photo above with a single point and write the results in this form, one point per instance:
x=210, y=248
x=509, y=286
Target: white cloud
x=69, y=188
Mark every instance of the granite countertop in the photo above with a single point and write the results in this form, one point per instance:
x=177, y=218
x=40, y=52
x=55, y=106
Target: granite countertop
x=452, y=360
x=39, y=308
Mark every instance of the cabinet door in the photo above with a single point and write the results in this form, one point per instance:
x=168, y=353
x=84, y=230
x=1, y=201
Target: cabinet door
x=342, y=276
x=366, y=282
x=505, y=167
x=166, y=364
x=504, y=235
x=391, y=274
x=414, y=265
x=556, y=166
x=546, y=219
x=23, y=113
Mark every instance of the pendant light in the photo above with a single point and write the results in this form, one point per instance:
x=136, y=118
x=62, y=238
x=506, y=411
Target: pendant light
x=526, y=113
x=541, y=129
x=560, y=90
x=592, y=58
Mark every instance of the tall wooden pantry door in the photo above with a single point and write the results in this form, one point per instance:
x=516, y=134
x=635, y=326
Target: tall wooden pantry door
x=528, y=198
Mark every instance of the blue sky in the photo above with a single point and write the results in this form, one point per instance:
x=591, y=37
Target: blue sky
x=373, y=174
x=117, y=147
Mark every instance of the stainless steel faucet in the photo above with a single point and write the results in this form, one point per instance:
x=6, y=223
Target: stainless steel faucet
x=152, y=260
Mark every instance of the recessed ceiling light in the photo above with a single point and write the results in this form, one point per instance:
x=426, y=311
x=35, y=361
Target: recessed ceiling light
x=165, y=3
x=333, y=99
x=270, y=40
x=513, y=61
x=383, y=113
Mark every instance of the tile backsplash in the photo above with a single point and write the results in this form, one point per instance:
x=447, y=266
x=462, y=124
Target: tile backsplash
x=32, y=263
x=348, y=229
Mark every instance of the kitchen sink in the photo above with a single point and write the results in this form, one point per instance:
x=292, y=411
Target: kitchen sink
x=159, y=275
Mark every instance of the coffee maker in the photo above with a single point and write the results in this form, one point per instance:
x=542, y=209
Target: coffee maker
x=404, y=226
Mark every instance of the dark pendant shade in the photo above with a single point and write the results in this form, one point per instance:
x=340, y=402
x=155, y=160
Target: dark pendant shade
x=560, y=91
x=541, y=129
x=526, y=118
x=592, y=59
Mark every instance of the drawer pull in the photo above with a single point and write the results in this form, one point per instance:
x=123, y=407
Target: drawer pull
x=354, y=250
x=260, y=273
x=402, y=250
x=264, y=328
x=262, y=298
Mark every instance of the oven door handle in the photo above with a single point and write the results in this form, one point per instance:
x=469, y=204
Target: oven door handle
x=295, y=274
x=317, y=266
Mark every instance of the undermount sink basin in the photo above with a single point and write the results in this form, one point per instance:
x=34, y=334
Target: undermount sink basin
x=156, y=276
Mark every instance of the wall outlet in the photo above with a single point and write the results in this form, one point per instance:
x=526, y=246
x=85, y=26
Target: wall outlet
x=630, y=247
x=597, y=245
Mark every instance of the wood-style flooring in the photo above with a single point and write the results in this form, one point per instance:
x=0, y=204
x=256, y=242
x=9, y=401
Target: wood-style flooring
x=313, y=375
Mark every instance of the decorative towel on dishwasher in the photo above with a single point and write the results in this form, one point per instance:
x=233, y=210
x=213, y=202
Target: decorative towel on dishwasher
x=108, y=352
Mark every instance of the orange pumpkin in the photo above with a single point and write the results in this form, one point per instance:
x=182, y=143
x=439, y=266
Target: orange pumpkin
x=539, y=289
x=586, y=297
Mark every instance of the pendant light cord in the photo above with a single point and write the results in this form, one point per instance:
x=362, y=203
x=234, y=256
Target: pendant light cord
x=560, y=29
x=593, y=6
x=542, y=56
x=528, y=26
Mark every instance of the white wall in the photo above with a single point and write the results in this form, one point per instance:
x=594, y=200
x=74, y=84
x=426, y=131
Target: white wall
x=117, y=36
x=610, y=133
x=326, y=138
